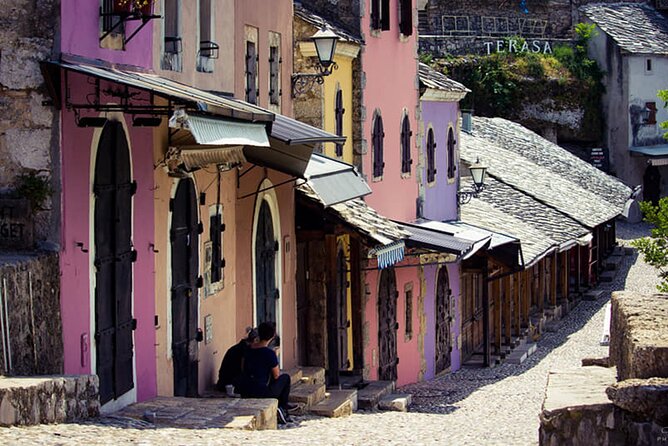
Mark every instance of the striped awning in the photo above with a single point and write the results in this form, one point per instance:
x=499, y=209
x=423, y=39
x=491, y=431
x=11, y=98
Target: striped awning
x=388, y=255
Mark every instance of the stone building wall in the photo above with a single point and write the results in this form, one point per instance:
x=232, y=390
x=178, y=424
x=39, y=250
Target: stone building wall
x=343, y=13
x=469, y=23
x=28, y=123
x=29, y=287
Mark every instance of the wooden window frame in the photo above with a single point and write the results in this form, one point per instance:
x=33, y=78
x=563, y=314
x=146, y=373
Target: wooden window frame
x=274, y=75
x=406, y=17
x=380, y=15
x=251, y=70
x=452, y=142
x=377, y=137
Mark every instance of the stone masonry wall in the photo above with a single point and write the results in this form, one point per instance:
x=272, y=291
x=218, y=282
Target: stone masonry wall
x=29, y=285
x=639, y=335
x=28, y=128
x=541, y=18
x=58, y=399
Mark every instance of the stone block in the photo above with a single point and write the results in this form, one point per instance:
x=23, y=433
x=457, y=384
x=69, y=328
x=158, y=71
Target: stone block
x=29, y=148
x=639, y=335
x=647, y=398
x=19, y=66
x=397, y=402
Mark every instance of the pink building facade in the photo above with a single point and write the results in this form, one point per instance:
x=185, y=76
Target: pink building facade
x=107, y=284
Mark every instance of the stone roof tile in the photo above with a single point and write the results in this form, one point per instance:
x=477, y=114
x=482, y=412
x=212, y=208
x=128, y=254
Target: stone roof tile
x=637, y=28
x=431, y=78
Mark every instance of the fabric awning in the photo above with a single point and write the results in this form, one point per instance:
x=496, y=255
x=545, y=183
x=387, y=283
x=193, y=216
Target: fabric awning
x=334, y=181
x=200, y=141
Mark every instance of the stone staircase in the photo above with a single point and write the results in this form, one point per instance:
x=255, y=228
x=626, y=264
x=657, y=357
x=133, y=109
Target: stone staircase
x=522, y=351
x=309, y=391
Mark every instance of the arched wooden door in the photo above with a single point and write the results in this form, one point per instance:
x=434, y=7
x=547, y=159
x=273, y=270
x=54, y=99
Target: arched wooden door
x=114, y=255
x=443, y=348
x=266, y=293
x=343, y=320
x=387, y=326
x=184, y=235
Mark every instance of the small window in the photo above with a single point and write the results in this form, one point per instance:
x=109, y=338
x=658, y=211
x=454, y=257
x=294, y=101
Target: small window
x=216, y=228
x=338, y=118
x=431, y=157
x=274, y=85
x=171, y=23
x=380, y=14
x=406, y=134
x=648, y=65
x=377, y=141
x=409, y=314
x=451, y=154
x=208, y=49
x=251, y=73
x=406, y=17
x=651, y=106
x=111, y=18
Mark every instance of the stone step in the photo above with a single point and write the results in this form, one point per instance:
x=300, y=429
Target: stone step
x=338, y=403
x=295, y=375
x=313, y=375
x=517, y=357
x=397, y=402
x=369, y=395
x=48, y=399
x=307, y=394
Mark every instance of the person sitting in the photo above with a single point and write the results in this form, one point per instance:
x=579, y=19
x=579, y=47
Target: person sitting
x=230, y=370
x=261, y=377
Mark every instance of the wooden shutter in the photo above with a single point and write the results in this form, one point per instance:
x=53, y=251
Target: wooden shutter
x=375, y=14
x=338, y=116
x=451, y=154
x=377, y=138
x=274, y=88
x=431, y=155
x=251, y=73
x=385, y=15
x=406, y=19
x=406, y=134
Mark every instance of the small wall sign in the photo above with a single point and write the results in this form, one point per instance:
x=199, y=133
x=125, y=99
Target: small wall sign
x=15, y=223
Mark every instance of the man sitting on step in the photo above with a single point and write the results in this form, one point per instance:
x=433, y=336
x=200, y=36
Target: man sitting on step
x=261, y=377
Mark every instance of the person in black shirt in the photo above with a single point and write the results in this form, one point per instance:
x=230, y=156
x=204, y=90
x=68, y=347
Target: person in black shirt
x=261, y=377
x=230, y=368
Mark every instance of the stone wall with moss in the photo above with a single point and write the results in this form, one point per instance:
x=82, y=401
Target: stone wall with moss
x=28, y=123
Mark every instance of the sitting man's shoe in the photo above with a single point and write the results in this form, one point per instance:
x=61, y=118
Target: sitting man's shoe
x=282, y=416
x=292, y=407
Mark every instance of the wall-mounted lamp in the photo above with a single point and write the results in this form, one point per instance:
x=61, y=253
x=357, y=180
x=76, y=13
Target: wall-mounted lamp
x=325, y=46
x=644, y=114
x=478, y=171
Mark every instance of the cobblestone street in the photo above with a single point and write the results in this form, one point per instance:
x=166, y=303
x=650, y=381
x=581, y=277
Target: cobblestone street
x=497, y=406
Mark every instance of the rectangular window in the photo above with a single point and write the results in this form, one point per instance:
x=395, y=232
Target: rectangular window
x=251, y=73
x=380, y=14
x=111, y=18
x=406, y=17
x=409, y=314
x=172, y=57
x=208, y=49
x=216, y=228
x=274, y=85
x=651, y=106
x=648, y=66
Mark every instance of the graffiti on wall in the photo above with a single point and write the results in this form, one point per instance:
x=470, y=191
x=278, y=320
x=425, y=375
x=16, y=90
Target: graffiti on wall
x=492, y=26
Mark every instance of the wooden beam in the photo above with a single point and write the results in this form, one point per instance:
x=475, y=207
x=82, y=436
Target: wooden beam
x=517, y=290
x=553, y=280
x=497, y=316
x=506, y=309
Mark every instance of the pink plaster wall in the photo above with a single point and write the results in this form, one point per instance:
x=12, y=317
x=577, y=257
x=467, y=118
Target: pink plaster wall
x=77, y=149
x=275, y=16
x=80, y=35
x=390, y=65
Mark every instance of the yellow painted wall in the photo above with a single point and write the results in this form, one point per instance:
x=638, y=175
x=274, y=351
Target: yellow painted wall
x=341, y=78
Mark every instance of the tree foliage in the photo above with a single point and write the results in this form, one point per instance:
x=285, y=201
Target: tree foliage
x=655, y=247
x=663, y=95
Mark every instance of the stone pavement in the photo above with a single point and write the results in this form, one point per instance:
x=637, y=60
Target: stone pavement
x=497, y=406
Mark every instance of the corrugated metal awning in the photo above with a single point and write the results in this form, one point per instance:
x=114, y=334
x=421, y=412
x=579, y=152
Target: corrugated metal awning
x=334, y=181
x=200, y=141
x=293, y=132
x=434, y=239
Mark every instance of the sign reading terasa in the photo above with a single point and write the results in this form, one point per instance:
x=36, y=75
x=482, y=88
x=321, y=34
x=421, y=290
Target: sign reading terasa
x=518, y=46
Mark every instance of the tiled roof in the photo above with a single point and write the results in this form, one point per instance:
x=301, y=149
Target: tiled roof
x=637, y=28
x=543, y=170
x=320, y=22
x=535, y=242
x=549, y=224
x=362, y=217
x=431, y=78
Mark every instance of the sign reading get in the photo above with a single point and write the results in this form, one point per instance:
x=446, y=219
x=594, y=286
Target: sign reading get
x=518, y=46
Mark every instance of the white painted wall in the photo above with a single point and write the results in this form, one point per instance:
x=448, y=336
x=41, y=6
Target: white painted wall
x=643, y=88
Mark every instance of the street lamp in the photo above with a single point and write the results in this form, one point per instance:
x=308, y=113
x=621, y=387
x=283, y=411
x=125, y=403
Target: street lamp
x=478, y=171
x=644, y=114
x=325, y=46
